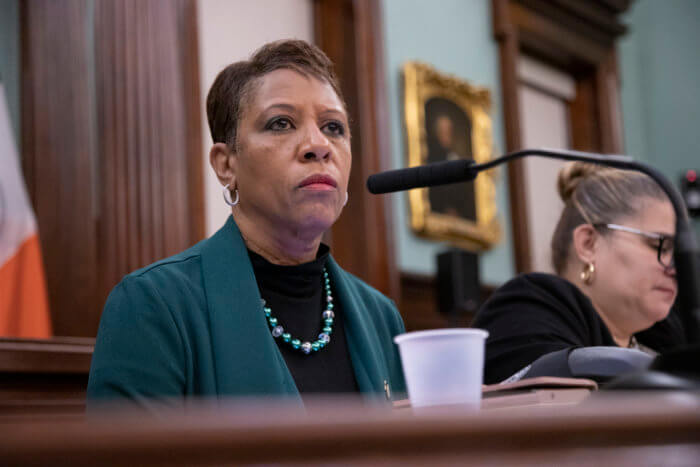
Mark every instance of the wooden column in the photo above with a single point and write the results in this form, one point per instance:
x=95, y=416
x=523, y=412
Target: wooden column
x=148, y=126
x=58, y=147
x=507, y=37
x=350, y=33
x=111, y=141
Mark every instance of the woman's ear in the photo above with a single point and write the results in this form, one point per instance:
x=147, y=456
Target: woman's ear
x=585, y=239
x=221, y=160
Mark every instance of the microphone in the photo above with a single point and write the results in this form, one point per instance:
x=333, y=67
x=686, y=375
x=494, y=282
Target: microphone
x=686, y=248
x=439, y=173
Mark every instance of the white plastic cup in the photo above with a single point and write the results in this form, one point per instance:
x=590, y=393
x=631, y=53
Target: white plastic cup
x=443, y=366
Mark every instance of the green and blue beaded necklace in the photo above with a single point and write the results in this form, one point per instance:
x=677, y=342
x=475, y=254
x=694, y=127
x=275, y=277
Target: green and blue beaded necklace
x=324, y=337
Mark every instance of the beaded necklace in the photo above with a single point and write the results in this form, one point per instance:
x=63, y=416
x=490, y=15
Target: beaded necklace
x=326, y=321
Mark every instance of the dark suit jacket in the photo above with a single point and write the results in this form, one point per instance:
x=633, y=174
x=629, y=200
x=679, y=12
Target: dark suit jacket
x=193, y=325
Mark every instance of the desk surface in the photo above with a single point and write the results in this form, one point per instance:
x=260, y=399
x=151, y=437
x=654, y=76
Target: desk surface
x=613, y=428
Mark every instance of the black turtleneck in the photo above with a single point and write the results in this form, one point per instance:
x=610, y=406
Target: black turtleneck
x=295, y=295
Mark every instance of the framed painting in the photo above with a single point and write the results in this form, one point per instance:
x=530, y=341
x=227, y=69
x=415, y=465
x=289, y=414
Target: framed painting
x=447, y=118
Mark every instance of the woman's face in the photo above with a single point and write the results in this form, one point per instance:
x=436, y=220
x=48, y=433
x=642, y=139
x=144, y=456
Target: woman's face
x=292, y=160
x=630, y=283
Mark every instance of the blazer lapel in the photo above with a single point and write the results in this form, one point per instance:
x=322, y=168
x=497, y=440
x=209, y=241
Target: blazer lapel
x=246, y=358
x=363, y=342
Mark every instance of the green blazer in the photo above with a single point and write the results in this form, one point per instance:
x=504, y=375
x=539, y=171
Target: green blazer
x=193, y=325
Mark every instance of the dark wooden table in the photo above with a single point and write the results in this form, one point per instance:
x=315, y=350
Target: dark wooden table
x=606, y=429
x=44, y=375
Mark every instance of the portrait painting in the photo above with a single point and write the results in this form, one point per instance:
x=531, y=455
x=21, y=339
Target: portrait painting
x=448, y=119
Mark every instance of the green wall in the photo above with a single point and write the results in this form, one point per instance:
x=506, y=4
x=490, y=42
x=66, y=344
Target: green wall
x=660, y=73
x=456, y=37
x=660, y=95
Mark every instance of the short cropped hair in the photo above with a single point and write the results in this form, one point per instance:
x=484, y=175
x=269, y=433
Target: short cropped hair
x=595, y=194
x=233, y=85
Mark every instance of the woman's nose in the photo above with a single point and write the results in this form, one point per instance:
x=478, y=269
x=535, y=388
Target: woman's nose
x=315, y=145
x=670, y=270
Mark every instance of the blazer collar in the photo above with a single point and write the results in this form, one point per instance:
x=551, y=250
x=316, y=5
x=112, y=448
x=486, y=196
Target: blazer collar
x=364, y=344
x=246, y=358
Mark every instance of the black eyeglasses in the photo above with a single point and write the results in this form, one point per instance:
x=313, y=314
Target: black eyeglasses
x=664, y=245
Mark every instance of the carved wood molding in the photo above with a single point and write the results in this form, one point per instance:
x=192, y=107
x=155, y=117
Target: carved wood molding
x=578, y=37
x=59, y=355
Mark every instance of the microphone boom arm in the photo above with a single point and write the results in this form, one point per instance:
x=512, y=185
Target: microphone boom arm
x=686, y=245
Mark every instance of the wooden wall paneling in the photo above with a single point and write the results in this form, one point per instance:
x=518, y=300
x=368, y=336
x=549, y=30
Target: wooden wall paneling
x=589, y=20
x=187, y=19
x=40, y=376
x=149, y=123
x=140, y=59
x=150, y=142
x=57, y=157
x=335, y=35
x=111, y=141
x=536, y=34
x=376, y=147
x=350, y=33
x=583, y=115
x=579, y=38
x=172, y=131
x=607, y=80
x=507, y=37
x=110, y=71
x=139, y=240
x=112, y=259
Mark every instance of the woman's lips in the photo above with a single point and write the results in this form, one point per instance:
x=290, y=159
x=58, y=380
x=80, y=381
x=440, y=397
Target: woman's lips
x=667, y=290
x=319, y=182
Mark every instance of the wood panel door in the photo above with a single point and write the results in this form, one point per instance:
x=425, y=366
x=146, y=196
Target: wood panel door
x=577, y=38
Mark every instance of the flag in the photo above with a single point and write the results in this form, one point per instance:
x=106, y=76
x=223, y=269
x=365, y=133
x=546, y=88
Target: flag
x=24, y=309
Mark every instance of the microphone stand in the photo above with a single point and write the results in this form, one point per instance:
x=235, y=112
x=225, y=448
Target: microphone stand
x=684, y=361
x=686, y=247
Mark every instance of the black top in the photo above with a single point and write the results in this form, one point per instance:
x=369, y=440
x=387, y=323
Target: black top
x=536, y=313
x=296, y=296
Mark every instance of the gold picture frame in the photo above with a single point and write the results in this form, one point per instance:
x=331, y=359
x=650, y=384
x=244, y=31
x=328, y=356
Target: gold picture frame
x=448, y=118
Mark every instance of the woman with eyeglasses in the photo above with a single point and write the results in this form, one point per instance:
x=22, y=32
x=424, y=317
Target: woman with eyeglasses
x=615, y=283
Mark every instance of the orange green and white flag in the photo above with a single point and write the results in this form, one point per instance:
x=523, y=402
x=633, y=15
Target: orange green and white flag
x=24, y=310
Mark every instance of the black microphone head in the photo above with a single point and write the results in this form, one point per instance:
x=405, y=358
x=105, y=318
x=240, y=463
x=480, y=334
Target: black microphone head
x=439, y=173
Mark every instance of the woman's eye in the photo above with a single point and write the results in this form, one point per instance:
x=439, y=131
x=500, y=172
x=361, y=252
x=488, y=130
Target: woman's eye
x=335, y=128
x=279, y=124
x=667, y=246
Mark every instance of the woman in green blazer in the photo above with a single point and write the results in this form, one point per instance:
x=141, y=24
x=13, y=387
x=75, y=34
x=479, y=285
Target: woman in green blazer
x=260, y=308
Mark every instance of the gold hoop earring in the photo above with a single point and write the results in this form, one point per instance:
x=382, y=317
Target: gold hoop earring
x=588, y=273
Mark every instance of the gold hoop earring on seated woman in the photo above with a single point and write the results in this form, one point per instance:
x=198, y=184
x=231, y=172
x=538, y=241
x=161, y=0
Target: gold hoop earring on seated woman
x=588, y=273
x=347, y=196
x=227, y=196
